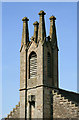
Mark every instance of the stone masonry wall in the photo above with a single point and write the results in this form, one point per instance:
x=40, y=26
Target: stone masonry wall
x=34, y=85
x=15, y=113
x=53, y=79
x=37, y=107
x=47, y=80
x=58, y=105
x=47, y=102
x=22, y=82
x=52, y=103
x=64, y=108
x=38, y=80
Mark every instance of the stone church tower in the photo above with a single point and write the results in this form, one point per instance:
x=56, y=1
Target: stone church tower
x=40, y=95
x=38, y=68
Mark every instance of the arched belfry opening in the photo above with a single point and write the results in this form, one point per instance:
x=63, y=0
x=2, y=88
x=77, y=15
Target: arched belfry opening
x=32, y=65
x=48, y=64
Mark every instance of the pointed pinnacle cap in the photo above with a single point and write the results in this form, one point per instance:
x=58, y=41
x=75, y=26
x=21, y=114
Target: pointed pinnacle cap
x=41, y=13
x=52, y=18
x=25, y=19
x=36, y=23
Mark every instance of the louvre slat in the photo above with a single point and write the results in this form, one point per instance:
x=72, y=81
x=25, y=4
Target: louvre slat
x=33, y=66
x=32, y=74
x=32, y=62
x=33, y=70
x=33, y=59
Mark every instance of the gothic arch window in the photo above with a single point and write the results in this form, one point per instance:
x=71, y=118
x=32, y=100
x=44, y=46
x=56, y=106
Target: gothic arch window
x=32, y=65
x=48, y=64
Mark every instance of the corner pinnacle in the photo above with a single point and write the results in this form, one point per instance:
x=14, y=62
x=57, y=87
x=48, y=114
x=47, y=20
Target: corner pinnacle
x=52, y=18
x=41, y=13
x=25, y=19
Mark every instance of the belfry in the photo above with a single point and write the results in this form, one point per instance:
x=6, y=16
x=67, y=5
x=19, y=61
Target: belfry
x=38, y=68
x=40, y=95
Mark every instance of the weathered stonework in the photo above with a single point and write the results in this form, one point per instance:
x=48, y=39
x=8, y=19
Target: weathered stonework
x=40, y=96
